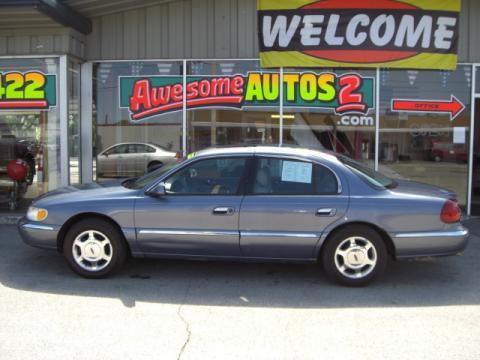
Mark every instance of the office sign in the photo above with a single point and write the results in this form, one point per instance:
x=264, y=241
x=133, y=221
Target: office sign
x=31, y=90
x=149, y=96
x=410, y=34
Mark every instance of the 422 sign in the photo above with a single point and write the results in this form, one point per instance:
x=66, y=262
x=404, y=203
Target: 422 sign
x=32, y=90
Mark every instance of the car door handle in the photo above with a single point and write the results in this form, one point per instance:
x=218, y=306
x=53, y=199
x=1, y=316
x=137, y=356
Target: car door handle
x=223, y=210
x=326, y=212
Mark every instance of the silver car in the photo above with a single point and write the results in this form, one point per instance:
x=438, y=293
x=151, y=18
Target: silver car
x=132, y=159
x=251, y=203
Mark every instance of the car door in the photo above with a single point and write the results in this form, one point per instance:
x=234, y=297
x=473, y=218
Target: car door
x=198, y=215
x=109, y=161
x=141, y=158
x=289, y=204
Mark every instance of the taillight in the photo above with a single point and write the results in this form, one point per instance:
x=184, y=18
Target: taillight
x=451, y=212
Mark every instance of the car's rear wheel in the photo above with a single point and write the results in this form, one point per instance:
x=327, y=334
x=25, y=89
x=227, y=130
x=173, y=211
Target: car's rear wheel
x=94, y=248
x=355, y=256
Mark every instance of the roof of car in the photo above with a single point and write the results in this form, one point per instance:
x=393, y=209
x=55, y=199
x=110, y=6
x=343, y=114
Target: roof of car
x=274, y=150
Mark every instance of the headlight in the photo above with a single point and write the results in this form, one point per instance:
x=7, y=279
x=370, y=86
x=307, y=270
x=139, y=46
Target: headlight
x=36, y=214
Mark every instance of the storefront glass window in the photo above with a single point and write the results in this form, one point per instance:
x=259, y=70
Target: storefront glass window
x=429, y=147
x=30, y=135
x=128, y=141
x=314, y=117
x=231, y=123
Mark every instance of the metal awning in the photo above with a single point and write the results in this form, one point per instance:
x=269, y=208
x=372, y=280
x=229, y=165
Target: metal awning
x=77, y=14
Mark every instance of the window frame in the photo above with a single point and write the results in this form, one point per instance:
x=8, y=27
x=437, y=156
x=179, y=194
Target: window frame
x=243, y=178
x=254, y=169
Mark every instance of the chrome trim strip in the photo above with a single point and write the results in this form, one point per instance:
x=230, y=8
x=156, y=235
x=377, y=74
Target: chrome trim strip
x=37, y=227
x=278, y=234
x=457, y=233
x=186, y=232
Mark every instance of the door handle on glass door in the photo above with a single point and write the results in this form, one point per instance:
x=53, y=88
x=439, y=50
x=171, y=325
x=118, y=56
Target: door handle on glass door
x=326, y=212
x=223, y=210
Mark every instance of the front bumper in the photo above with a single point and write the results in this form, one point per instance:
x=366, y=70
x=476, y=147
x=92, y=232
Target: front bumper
x=431, y=243
x=38, y=235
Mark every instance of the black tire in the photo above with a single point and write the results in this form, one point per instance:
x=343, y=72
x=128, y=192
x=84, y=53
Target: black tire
x=31, y=171
x=117, y=248
x=330, y=259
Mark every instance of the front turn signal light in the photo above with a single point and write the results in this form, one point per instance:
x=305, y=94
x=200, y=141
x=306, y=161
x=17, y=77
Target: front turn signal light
x=36, y=214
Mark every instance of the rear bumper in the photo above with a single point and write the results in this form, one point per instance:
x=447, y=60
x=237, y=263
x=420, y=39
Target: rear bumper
x=431, y=243
x=38, y=235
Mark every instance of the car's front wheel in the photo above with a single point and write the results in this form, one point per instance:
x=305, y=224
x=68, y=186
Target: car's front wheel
x=94, y=248
x=355, y=256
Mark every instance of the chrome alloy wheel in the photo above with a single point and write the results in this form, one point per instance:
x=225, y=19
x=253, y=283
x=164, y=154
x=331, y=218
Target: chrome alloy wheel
x=355, y=257
x=92, y=250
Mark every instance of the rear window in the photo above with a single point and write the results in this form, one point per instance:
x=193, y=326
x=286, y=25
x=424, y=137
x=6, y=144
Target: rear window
x=367, y=174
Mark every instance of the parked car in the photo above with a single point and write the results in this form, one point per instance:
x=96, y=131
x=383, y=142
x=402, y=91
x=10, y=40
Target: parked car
x=250, y=203
x=445, y=151
x=133, y=159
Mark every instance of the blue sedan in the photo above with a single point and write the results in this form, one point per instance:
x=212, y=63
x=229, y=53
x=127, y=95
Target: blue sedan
x=252, y=203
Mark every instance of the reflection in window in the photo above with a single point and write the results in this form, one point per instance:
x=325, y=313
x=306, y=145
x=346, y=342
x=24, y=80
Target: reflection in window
x=230, y=127
x=156, y=140
x=352, y=135
x=426, y=147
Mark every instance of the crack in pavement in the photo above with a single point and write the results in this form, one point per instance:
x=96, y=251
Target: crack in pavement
x=185, y=322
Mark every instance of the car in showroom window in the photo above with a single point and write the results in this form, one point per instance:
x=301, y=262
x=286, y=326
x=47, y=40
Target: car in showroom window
x=253, y=204
x=132, y=159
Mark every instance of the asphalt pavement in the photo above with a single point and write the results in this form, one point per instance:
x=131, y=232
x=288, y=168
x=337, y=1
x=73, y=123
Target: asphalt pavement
x=157, y=309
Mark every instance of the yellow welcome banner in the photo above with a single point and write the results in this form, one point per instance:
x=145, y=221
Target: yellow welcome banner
x=413, y=34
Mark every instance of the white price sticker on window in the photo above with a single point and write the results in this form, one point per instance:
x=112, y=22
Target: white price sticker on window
x=294, y=171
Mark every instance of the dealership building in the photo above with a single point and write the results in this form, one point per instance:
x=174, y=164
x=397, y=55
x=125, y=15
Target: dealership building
x=124, y=81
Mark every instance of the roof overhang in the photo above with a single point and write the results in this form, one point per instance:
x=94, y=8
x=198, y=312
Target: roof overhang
x=57, y=11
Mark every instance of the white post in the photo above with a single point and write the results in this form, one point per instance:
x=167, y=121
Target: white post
x=471, y=140
x=184, y=111
x=63, y=121
x=377, y=117
x=86, y=124
x=280, y=130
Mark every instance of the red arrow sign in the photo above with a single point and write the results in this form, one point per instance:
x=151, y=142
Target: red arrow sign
x=453, y=107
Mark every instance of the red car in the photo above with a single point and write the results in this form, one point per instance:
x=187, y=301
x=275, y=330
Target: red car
x=443, y=151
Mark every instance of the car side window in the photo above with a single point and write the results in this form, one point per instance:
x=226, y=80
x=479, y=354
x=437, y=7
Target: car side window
x=220, y=176
x=325, y=181
x=141, y=149
x=283, y=177
x=120, y=149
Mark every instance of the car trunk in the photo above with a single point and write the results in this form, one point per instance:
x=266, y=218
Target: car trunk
x=417, y=188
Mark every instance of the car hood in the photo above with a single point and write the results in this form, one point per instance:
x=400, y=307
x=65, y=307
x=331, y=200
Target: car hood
x=418, y=188
x=84, y=192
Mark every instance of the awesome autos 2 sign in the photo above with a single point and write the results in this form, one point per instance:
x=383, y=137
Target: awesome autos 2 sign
x=156, y=95
x=352, y=33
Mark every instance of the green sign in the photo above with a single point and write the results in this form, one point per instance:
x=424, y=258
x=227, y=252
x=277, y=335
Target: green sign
x=32, y=90
x=156, y=95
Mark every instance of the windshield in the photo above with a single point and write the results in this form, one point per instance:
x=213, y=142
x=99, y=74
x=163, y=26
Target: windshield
x=138, y=183
x=373, y=177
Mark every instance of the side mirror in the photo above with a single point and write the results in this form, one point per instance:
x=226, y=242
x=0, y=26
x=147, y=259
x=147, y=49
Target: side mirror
x=157, y=191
